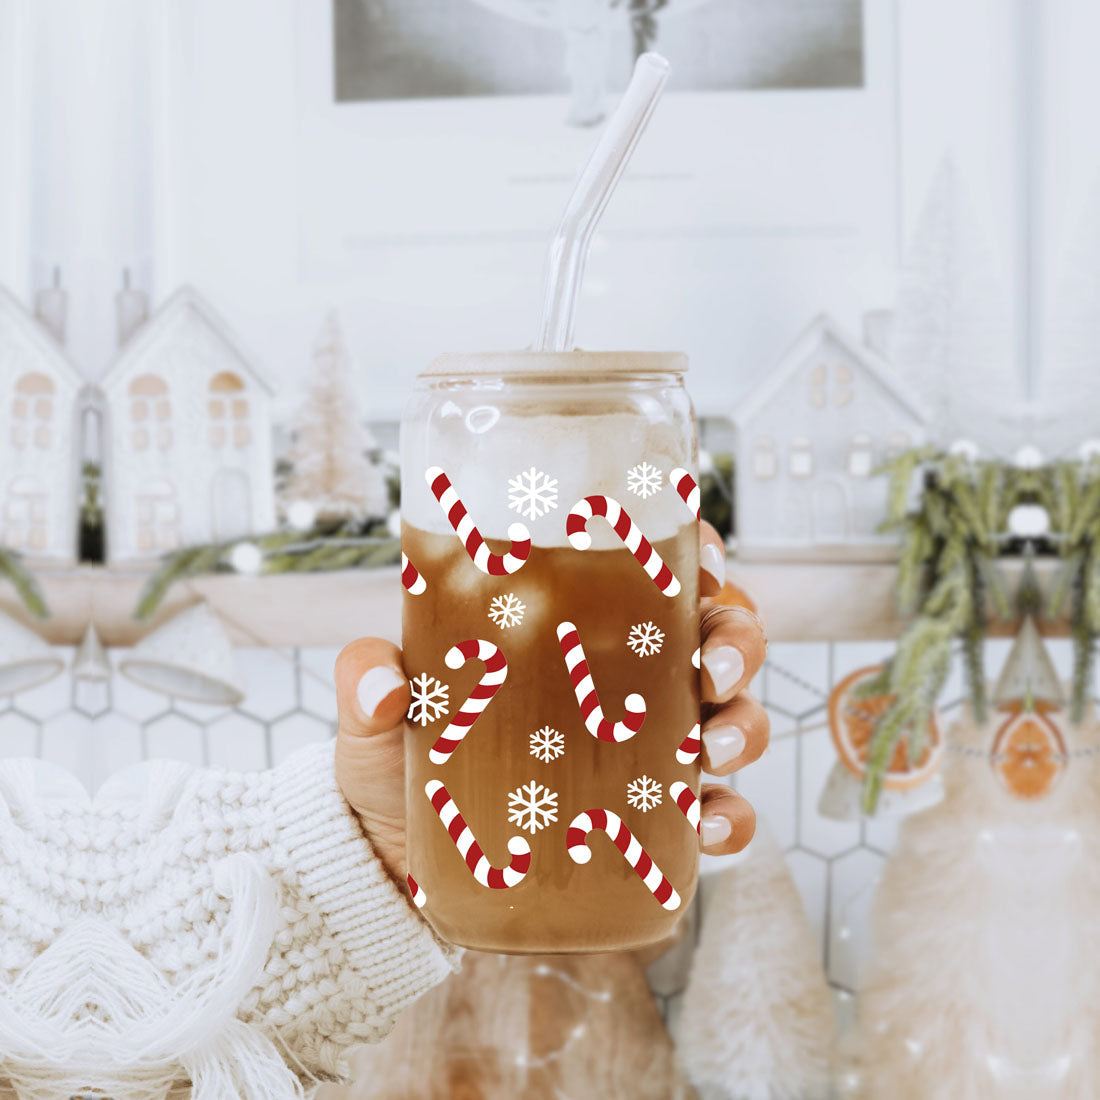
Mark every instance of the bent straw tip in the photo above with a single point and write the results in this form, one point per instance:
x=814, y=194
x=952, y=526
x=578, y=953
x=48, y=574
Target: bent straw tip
x=654, y=61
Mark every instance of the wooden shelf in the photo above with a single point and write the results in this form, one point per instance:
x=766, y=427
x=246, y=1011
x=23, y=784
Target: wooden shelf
x=798, y=600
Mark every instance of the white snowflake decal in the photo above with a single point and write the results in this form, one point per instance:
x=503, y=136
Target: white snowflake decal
x=532, y=493
x=532, y=806
x=644, y=793
x=507, y=610
x=430, y=698
x=645, y=639
x=644, y=480
x=547, y=744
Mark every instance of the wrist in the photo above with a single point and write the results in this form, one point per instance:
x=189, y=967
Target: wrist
x=387, y=838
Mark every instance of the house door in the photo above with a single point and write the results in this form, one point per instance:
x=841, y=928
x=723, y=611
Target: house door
x=232, y=505
x=830, y=513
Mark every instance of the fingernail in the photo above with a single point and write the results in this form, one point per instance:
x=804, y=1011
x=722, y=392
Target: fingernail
x=724, y=744
x=724, y=665
x=715, y=829
x=375, y=685
x=713, y=561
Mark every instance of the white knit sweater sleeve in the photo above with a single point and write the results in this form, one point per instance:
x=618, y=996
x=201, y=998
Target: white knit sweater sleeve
x=196, y=925
x=349, y=951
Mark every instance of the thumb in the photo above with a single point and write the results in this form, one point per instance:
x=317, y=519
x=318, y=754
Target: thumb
x=372, y=696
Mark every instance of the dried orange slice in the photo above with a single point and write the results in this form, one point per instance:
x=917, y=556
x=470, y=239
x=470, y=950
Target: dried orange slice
x=852, y=721
x=1029, y=754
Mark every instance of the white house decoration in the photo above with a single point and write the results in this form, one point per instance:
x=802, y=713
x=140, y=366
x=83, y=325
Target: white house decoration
x=189, y=436
x=38, y=422
x=809, y=435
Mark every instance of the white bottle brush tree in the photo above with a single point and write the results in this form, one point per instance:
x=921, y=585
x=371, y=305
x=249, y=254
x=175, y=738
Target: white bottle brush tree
x=330, y=467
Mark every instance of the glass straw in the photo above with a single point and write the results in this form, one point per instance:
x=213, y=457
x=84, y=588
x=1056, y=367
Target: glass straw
x=571, y=240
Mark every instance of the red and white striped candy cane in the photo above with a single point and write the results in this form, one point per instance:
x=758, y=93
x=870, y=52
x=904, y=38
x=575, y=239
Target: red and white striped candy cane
x=687, y=488
x=576, y=840
x=496, y=565
x=688, y=752
x=589, y=701
x=685, y=798
x=496, y=672
x=485, y=873
x=410, y=577
x=418, y=895
x=627, y=530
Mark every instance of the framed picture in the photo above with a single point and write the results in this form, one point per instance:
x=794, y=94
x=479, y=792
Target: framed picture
x=416, y=49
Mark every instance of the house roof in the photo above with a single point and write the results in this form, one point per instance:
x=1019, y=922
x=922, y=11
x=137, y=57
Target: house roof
x=185, y=299
x=39, y=335
x=819, y=330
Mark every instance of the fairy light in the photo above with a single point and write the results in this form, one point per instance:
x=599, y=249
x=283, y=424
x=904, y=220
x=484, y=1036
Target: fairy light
x=1028, y=521
x=246, y=557
x=1028, y=457
x=301, y=515
x=964, y=448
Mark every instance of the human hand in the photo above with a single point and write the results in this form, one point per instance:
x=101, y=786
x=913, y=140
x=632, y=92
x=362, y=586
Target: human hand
x=373, y=696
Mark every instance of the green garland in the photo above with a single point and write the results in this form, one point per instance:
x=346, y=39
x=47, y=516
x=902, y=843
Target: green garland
x=361, y=544
x=1070, y=492
x=948, y=580
x=328, y=547
x=24, y=582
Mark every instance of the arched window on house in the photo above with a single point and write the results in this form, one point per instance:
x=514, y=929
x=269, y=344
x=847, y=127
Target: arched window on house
x=765, y=465
x=819, y=376
x=150, y=413
x=32, y=410
x=861, y=455
x=843, y=393
x=800, y=460
x=228, y=408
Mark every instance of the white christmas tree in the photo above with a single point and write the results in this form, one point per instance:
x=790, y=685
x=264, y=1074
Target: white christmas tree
x=331, y=470
x=953, y=335
x=757, y=1022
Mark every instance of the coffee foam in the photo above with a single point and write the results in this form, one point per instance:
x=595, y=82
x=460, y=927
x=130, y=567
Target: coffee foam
x=482, y=451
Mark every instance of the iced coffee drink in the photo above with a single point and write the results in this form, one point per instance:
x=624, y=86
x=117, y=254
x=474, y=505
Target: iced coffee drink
x=550, y=563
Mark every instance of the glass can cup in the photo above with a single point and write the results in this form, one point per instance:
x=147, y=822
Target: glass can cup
x=550, y=561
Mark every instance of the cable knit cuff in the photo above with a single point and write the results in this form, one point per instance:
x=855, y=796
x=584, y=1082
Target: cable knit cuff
x=384, y=939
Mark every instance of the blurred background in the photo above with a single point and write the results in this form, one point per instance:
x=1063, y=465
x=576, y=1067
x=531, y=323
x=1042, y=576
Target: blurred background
x=234, y=233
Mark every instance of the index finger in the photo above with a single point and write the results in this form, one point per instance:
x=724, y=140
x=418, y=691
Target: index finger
x=712, y=560
x=734, y=648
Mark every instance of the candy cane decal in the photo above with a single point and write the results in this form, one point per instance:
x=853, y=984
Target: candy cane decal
x=495, y=565
x=688, y=750
x=485, y=873
x=410, y=577
x=496, y=672
x=687, y=488
x=576, y=840
x=589, y=701
x=418, y=895
x=627, y=530
x=685, y=798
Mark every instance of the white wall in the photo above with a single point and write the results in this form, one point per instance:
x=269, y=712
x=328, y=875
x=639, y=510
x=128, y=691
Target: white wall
x=15, y=152
x=85, y=86
x=194, y=140
x=761, y=232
